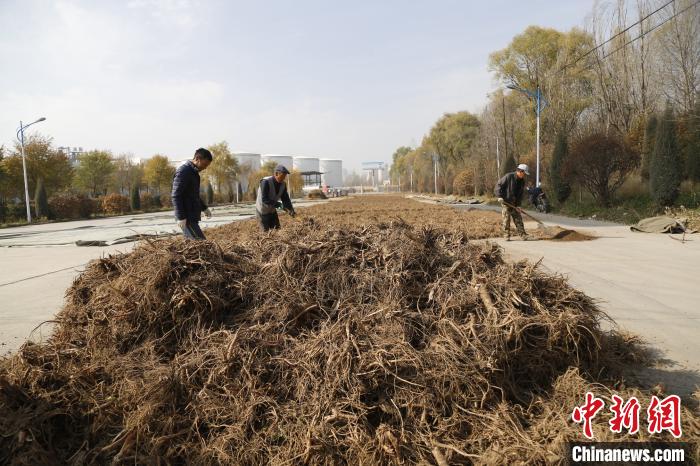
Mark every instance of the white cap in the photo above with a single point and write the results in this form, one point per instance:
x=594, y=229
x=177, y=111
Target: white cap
x=524, y=168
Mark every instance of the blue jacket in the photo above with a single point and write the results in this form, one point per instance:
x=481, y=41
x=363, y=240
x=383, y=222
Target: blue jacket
x=188, y=205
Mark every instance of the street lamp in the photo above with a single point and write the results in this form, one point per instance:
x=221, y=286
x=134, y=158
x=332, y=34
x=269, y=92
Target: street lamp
x=540, y=104
x=435, y=170
x=20, y=136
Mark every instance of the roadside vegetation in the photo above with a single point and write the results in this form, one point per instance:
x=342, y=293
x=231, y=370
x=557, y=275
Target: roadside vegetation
x=99, y=183
x=620, y=132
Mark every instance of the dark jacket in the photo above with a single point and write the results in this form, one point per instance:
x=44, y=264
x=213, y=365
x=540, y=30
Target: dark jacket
x=510, y=188
x=270, y=192
x=186, y=200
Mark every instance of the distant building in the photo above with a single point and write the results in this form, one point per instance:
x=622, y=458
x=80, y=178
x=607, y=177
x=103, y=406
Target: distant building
x=72, y=152
x=375, y=172
x=308, y=167
x=177, y=162
x=332, y=172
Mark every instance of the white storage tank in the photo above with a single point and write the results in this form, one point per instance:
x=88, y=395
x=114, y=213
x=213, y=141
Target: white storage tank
x=331, y=172
x=285, y=160
x=250, y=159
x=306, y=164
x=249, y=163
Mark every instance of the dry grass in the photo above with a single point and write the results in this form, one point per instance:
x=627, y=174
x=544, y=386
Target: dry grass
x=361, y=211
x=332, y=341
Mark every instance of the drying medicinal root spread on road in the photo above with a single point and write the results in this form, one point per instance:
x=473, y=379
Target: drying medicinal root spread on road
x=331, y=341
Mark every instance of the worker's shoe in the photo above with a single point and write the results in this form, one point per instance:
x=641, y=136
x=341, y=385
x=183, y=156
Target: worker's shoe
x=506, y=236
x=525, y=237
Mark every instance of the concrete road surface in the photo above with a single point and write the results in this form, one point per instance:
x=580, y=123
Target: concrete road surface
x=648, y=283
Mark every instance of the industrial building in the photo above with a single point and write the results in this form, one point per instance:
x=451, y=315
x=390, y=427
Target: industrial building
x=286, y=160
x=308, y=167
x=249, y=162
x=73, y=153
x=375, y=172
x=331, y=172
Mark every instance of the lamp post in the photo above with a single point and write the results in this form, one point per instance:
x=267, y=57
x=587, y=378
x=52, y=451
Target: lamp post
x=498, y=160
x=435, y=171
x=540, y=104
x=20, y=136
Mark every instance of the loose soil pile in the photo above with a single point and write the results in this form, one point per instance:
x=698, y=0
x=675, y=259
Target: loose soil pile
x=556, y=233
x=378, y=344
x=569, y=235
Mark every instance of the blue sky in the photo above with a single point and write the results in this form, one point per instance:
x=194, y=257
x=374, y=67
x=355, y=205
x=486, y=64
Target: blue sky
x=350, y=80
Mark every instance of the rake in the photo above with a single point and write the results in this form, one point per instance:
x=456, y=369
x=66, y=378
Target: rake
x=554, y=232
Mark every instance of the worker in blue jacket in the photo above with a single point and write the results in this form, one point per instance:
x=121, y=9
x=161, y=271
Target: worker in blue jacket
x=186, y=199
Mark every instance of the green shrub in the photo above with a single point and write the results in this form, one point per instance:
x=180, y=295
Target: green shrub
x=648, y=145
x=561, y=188
x=41, y=203
x=135, y=198
x=665, y=165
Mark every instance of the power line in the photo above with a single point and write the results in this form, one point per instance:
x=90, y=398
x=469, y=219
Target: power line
x=650, y=30
x=41, y=275
x=615, y=36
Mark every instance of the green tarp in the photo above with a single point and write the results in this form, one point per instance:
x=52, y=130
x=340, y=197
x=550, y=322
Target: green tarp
x=661, y=224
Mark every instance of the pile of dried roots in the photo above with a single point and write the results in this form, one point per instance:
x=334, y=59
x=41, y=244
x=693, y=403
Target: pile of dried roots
x=384, y=344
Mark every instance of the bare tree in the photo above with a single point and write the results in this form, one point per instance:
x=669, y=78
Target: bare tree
x=679, y=41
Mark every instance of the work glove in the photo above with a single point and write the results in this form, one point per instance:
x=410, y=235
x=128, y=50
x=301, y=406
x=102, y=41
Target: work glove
x=207, y=212
x=500, y=200
x=278, y=205
x=182, y=223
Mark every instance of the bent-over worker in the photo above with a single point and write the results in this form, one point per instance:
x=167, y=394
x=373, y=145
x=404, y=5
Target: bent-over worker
x=273, y=195
x=186, y=199
x=510, y=190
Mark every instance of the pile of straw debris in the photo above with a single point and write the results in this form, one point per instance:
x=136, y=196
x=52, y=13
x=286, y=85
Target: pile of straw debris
x=382, y=344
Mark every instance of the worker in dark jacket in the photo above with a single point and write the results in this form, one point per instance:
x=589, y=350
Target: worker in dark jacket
x=510, y=190
x=273, y=195
x=186, y=199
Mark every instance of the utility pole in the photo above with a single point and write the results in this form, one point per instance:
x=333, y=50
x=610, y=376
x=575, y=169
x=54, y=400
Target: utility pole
x=20, y=136
x=539, y=108
x=505, y=130
x=540, y=104
x=435, y=171
x=498, y=160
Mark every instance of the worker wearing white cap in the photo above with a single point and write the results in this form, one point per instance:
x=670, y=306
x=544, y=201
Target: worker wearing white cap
x=510, y=190
x=273, y=195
